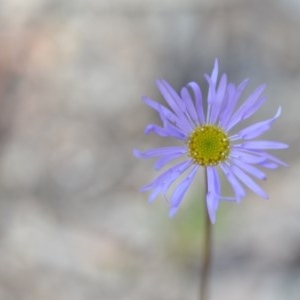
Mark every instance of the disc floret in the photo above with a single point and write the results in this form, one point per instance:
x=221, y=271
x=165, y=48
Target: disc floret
x=208, y=145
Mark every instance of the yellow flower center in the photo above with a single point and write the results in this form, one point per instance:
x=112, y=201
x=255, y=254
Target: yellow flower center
x=208, y=145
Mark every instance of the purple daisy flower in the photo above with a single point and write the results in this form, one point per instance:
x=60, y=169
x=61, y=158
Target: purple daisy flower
x=208, y=143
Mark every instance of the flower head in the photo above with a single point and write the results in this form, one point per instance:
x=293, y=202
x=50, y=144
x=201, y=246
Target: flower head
x=208, y=141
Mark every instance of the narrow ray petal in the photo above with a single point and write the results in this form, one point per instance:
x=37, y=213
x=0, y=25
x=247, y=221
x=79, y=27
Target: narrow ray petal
x=238, y=189
x=212, y=198
x=172, y=178
x=220, y=94
x=252, y=103
x=161, y=109
x=167, y=131
x=259, y=128
x=170, y=96
x=180, y=191
x=198, y=100
x=179, y=131
x=210, y=98
x=159, y=151
x=242, y=155
x=215, y=71
x=233, y=96
x=160, y=131
x=161, y=162
x=160, y=180
x=261, y=145
x=174, y=101
x=242, y=176
x=273, y=159
x=166, y=114
x=173, y=131
x=250, y=169
x=255, y=156
x=268, y=165
x=254, y=107
x=186, y=97
x=154, y=194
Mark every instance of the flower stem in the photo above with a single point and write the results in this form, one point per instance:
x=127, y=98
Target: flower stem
x=206, y=255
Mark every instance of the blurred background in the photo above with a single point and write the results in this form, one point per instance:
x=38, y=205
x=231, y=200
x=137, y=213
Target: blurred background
x=72, y=223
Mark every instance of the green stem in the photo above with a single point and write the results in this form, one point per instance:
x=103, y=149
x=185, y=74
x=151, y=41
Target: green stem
x=207, y=245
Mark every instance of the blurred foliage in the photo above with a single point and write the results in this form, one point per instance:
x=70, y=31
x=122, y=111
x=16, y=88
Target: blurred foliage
x=185, y=231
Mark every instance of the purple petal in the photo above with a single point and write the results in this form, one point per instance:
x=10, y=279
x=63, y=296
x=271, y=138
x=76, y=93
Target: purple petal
x=235, y=184
x=212, y=203
x=213, y=188
x=161, y=109
x=246, y=157
x=179, y=132
x=168, y=131
x=213, y=185
x=173, y=177
x=252, y=103
x=215, y=71
x=189, y=105
x=154, y=194
x=215, y=110
x=159, y=151
x=254, y=107
x=250, y=169
x=259, y=128
x=260, y=145
x=165, y=176
x=233, y=95
x=175, y=102
x=210, y=98
x=268, y=165
x=212, y=85
x=273, y=158
x=175, y=132
x=156, y=129
x=242, y=176
x=170, y=95
x=180, y=191
x=198, y=100
x=255, y=156
x=166, y=114
x=161, y=162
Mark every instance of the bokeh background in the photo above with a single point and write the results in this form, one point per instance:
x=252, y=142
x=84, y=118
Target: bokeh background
x=72, y=224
